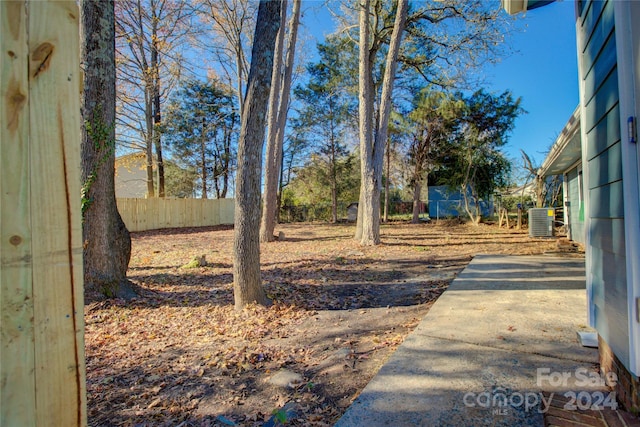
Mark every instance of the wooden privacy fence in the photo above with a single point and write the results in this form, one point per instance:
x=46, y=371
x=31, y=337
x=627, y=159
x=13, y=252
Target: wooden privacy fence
x=42, y=368
x=156, y=213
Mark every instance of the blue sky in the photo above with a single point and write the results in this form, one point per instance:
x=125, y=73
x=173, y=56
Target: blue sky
x=542, y=70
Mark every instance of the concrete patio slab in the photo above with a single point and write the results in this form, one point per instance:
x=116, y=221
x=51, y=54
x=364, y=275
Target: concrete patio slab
x=502, y=333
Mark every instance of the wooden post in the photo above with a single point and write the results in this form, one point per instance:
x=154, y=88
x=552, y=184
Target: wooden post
x=42, y=369
x=519, y=218
x=504, y=213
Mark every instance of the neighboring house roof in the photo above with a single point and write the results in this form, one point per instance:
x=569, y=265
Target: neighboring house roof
x=528, y=190
x=566, y=150
x=131, y=158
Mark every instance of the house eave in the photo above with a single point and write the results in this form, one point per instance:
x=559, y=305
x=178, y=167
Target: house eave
x=566, y=149
x=516, y=6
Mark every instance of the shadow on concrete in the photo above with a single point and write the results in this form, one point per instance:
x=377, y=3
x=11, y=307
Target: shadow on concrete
x=499, y=330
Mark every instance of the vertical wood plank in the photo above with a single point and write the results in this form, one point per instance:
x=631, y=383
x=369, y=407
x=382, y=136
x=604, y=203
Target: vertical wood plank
x=17, y=378
x=189, y=215
x=152, y=219
x=54, y=107
x=205, y=216
x=141, y=213
x=133, y=207
x=227, y=211
x=214, y=211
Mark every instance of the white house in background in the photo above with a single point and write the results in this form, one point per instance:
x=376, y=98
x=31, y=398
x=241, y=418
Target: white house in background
x=526, y=192
x=608, y=39
x=131, y=176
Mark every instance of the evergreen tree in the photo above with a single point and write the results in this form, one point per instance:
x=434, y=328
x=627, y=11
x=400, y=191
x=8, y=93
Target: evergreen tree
x=433, y=118
x=473, y=161
x=324, y=117
x=200, y=127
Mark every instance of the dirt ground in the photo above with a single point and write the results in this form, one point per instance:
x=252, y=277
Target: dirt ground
x=179, y=355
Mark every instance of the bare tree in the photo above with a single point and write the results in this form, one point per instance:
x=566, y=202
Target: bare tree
x=280, y=93
x=372, y=144
x=442, y=41
x=107, y=244
x=546, y=189
x=272, y=124
x=247, y=286
x=532, y=170
x=232, y=22
x=149, y=38
x=387, y=181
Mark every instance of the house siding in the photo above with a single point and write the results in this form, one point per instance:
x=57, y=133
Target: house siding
x=606, y=258
x=576, y=206
x=131, y=176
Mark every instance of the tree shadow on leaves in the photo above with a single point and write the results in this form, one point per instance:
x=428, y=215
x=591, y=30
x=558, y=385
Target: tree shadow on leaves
x=337, y=284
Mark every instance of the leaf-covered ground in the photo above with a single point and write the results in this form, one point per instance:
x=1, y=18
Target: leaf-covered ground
x=179, y=355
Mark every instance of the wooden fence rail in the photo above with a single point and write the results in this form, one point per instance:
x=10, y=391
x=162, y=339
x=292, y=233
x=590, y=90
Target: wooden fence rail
x=156, y=213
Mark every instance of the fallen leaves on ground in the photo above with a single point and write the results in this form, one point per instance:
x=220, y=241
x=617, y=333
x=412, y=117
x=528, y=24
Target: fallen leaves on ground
x=180, y=355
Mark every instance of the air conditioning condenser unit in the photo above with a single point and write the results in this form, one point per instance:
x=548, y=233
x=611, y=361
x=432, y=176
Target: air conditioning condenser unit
x=541, y=222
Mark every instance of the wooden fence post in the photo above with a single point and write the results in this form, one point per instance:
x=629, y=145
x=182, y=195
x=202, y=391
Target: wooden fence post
x=42, y=368
x=503, y=213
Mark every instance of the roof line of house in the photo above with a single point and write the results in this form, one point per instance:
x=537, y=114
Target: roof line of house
x=568, y=132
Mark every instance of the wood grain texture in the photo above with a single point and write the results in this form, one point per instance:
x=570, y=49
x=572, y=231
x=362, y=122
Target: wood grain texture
x=17, y=377
x=43, y=374
x=54, y=134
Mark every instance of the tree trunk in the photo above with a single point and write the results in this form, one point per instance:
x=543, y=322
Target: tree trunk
x=227, y=158
x=275, y=145
x=283, y=109
x=333, y=174
x=474, y=215
x=148, y=105
x=372, y=151
x=217, y=166
x=416, y=202
x=107, y=244
x=247, y=286
x=240, y=80
x=203, y=159
x=270, y=173
x=539, y=192
x=365, y=111
x=334, y=201
x=148, y=140
x=478, y=210
x=157, y=141
x=159, y=162
x=280, y=187
x=385, y=216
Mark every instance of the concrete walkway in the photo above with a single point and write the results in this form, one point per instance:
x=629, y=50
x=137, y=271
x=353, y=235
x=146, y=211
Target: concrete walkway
x=503, y=332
